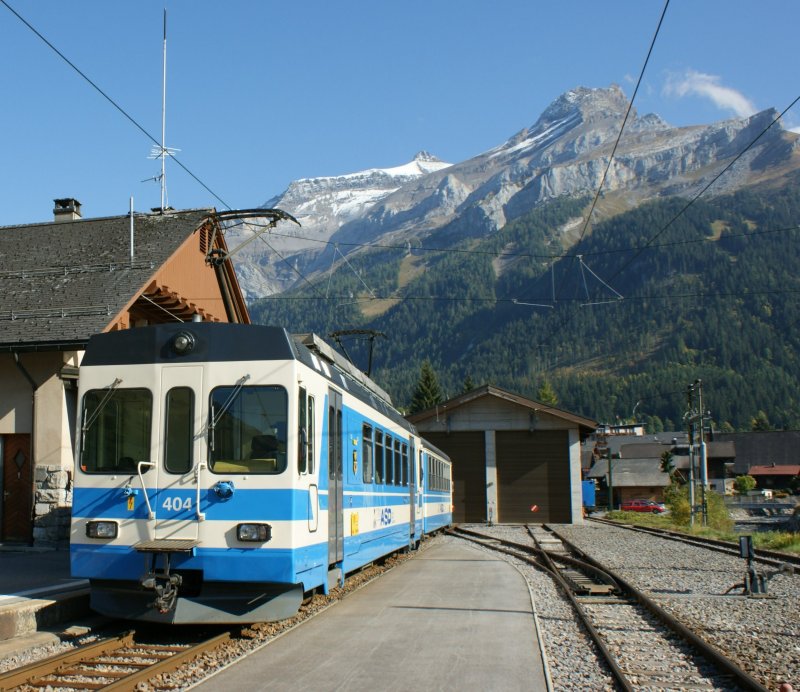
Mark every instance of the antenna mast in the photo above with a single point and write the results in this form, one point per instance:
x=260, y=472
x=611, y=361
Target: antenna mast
x=162, y=151
x=164, y=119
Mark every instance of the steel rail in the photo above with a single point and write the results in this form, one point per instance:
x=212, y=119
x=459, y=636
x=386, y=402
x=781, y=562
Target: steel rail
x=625, y=589
x=769, y=557
x=65, y=664
x=710, y=652
x=599, y=574
x=518, y=551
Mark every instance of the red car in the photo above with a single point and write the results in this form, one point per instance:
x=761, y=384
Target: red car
x=643, y=506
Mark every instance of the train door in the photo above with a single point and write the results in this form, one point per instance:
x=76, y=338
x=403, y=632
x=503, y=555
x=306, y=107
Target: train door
x=176, y=502
x=412, y=493
x=335, y=481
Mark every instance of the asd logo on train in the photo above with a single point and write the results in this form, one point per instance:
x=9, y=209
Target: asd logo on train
x=382, y=517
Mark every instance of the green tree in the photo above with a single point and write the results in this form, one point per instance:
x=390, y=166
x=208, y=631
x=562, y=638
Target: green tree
x=468, y=385
x=427, y=392
x=546, y=394
x=744, y=483
x=668, y=464
x=760, y=422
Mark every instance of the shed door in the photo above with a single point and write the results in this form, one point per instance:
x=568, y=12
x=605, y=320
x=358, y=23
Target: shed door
x=467, y=452
x=533, y=469
x=335, y=489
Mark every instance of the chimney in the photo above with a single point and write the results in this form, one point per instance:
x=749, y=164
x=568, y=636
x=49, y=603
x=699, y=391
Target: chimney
x=67, y=209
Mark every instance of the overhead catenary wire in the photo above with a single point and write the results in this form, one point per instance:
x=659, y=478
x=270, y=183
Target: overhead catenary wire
x=704, y=189
x=503, y=254
x=622, y=128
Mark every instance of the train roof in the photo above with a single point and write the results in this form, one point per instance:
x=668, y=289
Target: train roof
x=225, y=342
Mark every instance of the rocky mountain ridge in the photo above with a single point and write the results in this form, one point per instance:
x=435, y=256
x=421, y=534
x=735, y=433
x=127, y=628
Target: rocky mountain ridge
x=564, y=153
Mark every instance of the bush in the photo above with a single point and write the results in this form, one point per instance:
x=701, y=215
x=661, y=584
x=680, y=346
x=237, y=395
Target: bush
x=743, y=484
x=677, y=499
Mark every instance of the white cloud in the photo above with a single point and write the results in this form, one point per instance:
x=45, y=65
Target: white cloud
x=693, y=83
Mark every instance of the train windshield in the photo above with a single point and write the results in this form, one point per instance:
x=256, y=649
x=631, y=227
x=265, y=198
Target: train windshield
x=115, y=430
x=248, y=431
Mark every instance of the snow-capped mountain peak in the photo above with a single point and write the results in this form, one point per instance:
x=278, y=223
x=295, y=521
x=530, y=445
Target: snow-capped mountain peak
x=564, y=153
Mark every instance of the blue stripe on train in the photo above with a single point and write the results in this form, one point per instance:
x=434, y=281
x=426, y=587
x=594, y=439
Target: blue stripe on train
x=307, y=564
x=277, y=505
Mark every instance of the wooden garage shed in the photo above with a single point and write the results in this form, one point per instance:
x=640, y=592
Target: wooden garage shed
x=510, y=454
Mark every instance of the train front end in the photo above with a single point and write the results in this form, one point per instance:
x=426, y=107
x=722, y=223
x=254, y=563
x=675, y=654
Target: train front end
x=183, y=511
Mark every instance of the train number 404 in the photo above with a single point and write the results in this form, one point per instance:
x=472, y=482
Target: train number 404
x=175, y=504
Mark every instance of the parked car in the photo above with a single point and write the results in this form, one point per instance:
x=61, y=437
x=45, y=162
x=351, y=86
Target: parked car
x=643, y=506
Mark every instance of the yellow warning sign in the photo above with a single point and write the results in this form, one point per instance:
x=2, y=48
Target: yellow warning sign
x=130, y=503
x=354, y=524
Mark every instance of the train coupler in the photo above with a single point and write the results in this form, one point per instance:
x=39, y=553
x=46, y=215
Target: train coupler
x=163, y=584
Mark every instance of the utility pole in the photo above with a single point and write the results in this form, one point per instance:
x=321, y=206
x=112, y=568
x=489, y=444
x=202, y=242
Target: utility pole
x=697, y=450
x=690, y=403
x=703, y=460
x=610, y=482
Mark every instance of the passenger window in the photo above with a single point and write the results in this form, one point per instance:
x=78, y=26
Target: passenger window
x=248, y=430
x=310, y=427
x=367, y=453
x=378, y=456
x=398, y=464
x=389, y=466
x=115, y=430
x=178, y=430
x=305, y=432
x=404, y=464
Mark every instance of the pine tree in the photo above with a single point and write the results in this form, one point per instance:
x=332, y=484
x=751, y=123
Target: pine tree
x=468, y=385
x=546, y=394
x=427, y=392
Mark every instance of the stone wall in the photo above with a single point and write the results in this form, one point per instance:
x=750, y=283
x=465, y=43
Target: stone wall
x=52, y=507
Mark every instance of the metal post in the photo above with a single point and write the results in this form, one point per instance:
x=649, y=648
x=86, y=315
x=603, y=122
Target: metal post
x=132, y=253
x=703, y=461
x=689, y=395
x=610, y=483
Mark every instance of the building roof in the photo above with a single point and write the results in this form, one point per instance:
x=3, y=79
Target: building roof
x=780, y=447
x=586, y=425
x=667, y=439
x=776, y=470
x=631, y=473
x=61, y=282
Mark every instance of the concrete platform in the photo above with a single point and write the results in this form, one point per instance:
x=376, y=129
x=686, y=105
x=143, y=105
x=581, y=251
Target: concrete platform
x=455, y=617
x=36, y=593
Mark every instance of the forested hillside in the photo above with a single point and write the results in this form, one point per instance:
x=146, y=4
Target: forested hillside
x=709, y=290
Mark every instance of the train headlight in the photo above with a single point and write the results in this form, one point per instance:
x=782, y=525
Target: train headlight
x=254, y=533
x=183, y=343
x=102, y=529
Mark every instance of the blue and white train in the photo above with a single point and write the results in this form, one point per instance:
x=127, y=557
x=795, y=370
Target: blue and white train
x=226, y=471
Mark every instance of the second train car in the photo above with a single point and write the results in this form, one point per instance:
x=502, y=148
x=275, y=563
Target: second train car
x=224, y=471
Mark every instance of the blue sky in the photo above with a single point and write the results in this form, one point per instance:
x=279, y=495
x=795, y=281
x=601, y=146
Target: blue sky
x=262, y=93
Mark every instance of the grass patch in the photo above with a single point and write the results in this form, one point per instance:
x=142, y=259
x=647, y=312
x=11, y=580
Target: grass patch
x=786, y=541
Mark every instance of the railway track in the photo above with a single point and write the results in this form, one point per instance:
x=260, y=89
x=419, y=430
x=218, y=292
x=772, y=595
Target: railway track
x=643, y=645
x=773, y=558
x=115, y=664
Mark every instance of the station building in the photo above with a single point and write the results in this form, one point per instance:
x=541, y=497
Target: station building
x=61, y=282
x=515, y=460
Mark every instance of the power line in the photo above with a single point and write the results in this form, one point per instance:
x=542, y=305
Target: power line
x=622, y=128
x=111, y=101
x=520, y=255
x=519, y=301
x=697, y=196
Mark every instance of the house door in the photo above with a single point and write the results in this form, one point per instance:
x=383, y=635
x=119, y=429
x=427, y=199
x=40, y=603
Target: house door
x=17, y=489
